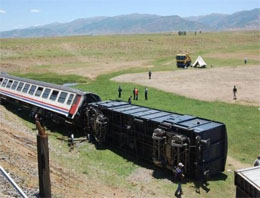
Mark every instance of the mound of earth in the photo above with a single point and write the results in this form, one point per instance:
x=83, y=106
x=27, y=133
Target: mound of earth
x=211, y=84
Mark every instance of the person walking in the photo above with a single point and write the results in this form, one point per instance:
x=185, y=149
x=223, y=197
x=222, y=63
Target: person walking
x=71, y=142
x=257, y=161
x=146, y=93
x=234, y=92
x=245, y=60
x=150, y=74
x=130, y=100
x=136, y=93
x=119, y=91
x=179, y=176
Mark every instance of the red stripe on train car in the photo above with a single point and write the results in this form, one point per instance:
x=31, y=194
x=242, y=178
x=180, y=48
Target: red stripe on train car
x=21, y=96
x=75, y=105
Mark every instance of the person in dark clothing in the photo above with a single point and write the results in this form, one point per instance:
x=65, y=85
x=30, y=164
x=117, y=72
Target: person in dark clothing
x=150, y=74
x=119, y=91
x=257, y=161
x=234, y=92
x=245, y=60
x=71, y=142
x=146, y=93
x=179, y=176
x=134, y=93
x=130, y=100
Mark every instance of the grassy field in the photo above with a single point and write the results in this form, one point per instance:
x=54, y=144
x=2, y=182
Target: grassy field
x=54, y=78
x=56, y=59
x=82, y=53
x=241, y=121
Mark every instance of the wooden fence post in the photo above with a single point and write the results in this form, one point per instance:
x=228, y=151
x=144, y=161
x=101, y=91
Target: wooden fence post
x=43, y=162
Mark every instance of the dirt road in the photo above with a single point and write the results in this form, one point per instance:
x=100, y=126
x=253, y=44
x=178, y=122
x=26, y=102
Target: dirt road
x=211, y=84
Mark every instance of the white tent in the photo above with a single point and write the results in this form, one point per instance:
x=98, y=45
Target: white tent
x=199, y=62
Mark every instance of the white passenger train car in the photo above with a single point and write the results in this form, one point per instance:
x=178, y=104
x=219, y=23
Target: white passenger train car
x=58, y=99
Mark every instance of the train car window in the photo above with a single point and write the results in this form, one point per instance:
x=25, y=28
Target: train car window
x=14, y=85
x=5, y=82
x=1, y=79
x=70, y=99
x=32, y=90
x=54, y=95
x=63, y=96
x=46, y=93
x=26, y=88
x=20, y=86
x=9, y=84
x=39, y=91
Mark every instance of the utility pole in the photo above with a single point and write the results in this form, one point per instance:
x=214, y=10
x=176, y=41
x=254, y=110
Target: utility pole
x=43, y=161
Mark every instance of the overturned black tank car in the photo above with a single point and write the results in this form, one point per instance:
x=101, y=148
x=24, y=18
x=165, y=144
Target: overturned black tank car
x=164, y=138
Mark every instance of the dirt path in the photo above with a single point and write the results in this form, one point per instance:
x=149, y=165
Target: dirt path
x=211, y=84
x=98, y=68
x=92, y=68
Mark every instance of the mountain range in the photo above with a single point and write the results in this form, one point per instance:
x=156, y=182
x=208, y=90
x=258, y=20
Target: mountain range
x=142, y=23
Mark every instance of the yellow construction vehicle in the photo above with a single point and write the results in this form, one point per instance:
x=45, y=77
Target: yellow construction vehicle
x=183, y=60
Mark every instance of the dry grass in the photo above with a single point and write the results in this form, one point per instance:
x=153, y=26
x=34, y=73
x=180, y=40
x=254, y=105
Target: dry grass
x=97, y=55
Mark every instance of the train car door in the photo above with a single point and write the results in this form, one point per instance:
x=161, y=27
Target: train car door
x=75, y=105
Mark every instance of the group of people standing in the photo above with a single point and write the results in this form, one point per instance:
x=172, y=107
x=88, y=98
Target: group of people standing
x=135, y=94
x=135, y=91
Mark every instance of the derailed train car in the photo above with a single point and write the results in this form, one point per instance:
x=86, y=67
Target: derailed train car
x=164, y=138
x=54, y=102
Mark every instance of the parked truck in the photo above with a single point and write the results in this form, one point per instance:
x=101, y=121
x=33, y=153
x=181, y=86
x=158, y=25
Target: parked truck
x=183, y=60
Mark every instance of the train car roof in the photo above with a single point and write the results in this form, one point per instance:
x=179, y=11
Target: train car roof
x=44, y=84
x=146, y=113
x=251, y=175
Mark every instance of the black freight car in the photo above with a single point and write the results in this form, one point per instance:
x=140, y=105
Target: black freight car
x=164, y=138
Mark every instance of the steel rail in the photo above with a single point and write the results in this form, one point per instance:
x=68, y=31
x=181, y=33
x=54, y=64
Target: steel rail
x=18, y=189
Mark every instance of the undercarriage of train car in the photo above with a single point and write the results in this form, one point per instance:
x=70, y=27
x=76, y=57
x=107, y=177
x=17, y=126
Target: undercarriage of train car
x=163, y=144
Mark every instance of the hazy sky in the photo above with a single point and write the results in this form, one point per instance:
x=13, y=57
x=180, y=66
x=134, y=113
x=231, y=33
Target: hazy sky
x=25, y=13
